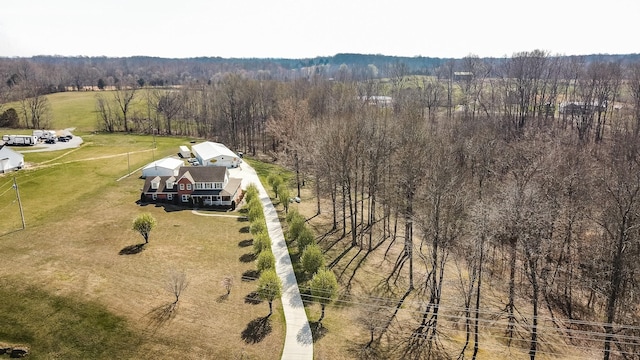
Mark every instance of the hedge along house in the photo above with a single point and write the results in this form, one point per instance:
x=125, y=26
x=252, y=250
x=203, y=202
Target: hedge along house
x=197, y=186
x=215, y=154
x=10, y=160
x=163, y=167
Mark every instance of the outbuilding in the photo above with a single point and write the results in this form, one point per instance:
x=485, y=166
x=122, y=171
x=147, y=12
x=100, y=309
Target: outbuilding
x=164, y=167
x=215, y=154
x=10, y=160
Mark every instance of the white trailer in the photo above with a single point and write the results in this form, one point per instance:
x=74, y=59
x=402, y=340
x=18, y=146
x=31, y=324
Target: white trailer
x=20, y=139
x=185, y=152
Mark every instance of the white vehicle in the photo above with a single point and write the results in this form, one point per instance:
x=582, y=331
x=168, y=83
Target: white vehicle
x=20, y=139
x=49, y=134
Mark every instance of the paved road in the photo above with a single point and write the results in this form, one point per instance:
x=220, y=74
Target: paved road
x=298, y=344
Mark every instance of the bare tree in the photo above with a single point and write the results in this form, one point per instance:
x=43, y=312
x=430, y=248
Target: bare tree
x=106, y=117
x=123, y=97
x=633, y=86
x=227, y=283
x=620, y=222
x=169, y=104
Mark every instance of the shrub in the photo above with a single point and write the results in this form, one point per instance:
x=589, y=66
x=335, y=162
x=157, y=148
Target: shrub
x=251, y=193
x=305, y=238
x=255, y=213
x=258, y=226
x=296, y=226
x=312, y=259
x=261, y=242
x=284, y=198
x=293, y=214
x=265, y=261
x=275, y=181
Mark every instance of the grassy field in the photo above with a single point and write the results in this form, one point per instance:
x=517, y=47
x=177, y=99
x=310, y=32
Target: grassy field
x=76, y=109
x=86, y=300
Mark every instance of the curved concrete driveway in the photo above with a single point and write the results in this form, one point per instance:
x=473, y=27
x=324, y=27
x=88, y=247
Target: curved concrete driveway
x=298, y=344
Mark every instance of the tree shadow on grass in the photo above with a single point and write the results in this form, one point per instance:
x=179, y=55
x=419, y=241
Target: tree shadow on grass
x=256, y=330
x=132, y=249
x=222, y=298
x=317, y=330
x=245, y=243
x=160, y=315
x=248, y=257
x=244, y=230
x=250, y=275
x=252, y=298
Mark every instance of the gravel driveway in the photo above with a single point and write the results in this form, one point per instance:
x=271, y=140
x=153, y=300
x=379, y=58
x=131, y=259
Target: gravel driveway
x=60, y=145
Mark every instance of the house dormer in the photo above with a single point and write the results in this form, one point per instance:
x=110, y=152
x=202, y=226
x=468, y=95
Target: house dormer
x=155, y=183
x=171, y=181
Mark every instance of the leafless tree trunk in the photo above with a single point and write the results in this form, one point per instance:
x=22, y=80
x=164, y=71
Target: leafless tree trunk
x=123, y=97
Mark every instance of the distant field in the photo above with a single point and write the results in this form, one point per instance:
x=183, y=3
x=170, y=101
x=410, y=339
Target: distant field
x=76, y=109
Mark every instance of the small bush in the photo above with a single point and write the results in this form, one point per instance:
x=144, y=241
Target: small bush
x=296, y=226
x=251, y=193
x=255, y=213
x=293, y=214
x=275, y=181
x=257, y=226
x=312, y=259
x=305, y=238
x=261, y=242
x=285, y=194
x=266, y=261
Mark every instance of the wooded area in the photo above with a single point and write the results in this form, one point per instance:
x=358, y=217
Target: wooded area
x=522, y=174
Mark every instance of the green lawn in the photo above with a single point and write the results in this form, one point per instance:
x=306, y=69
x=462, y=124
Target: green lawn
x=70, y=294
x=77, y=109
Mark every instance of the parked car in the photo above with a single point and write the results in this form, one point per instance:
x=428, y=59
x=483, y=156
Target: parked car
x=50, y=141
x=63, y=139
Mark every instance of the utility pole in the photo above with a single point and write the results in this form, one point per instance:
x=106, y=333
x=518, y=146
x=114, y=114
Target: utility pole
x=15, y=186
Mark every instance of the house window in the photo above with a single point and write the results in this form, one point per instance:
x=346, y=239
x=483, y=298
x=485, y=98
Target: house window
x=208, y=186
x=169, y=196
x=169, y=185
x=154, y=185
x=154, y=197
x=218, y=185
x=188, y=186
x=185, y=197
x=199, y=186
x=181, y=186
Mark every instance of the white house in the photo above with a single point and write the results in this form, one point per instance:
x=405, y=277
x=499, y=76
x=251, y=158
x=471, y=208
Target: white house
x=215, y=154
x=10, y=160
x=164, y=167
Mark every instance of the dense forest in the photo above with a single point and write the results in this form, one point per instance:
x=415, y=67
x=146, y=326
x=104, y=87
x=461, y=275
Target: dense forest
x=522, y=173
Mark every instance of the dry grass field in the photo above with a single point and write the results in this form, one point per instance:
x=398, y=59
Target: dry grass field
x=77, y=297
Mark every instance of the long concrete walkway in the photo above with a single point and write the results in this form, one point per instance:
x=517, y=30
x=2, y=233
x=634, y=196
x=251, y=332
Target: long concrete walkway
x=298, y=344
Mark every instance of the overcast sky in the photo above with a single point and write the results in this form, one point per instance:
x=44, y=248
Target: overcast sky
x=305, y=29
